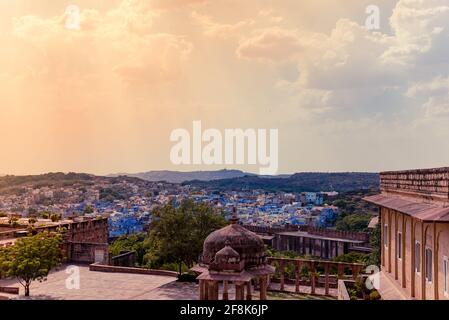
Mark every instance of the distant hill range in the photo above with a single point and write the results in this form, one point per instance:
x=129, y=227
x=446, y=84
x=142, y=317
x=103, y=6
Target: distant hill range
x=180, y=177
x=213, y=180
x=58, y=179
x=299, y=182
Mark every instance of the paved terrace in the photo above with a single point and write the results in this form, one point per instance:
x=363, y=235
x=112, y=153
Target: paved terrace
x=108, y=286
x=96, y=285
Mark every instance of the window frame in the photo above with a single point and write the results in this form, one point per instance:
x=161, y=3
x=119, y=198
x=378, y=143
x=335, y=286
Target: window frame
x=429, y=262
x=418, y=257
x=399, y=245
x=446, y=276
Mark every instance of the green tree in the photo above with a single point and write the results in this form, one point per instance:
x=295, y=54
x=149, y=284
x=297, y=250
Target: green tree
x=45, y=214
x=55, y=217
x=32, y=212
x=88, y=210
x=352, y=257
x=375, y=240
x=354, y=222
x=178, y=233
x=135, y=242
x=32, y=258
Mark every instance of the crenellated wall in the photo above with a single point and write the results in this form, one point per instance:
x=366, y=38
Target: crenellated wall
x=432, y=184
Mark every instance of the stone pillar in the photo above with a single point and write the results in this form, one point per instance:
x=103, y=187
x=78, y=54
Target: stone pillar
x=340, y=271
x=435, y=262
x=389, y=240
x=412, y=264
x=225, y=290
x=281, y=269
x=206, y=289
x=212, y=290
x=423, y=262
x=312, y=277
x=396, y=230
x=297, y=276
x=404, y=253
x=263, y=288
x=202, y=287
x=249, y=295
x=326, y=279
x=239, y=291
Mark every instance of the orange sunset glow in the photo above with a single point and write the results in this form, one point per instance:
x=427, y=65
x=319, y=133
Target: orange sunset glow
x=104, y=97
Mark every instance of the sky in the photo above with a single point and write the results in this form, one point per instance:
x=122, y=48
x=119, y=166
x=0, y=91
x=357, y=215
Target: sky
x=105, y=98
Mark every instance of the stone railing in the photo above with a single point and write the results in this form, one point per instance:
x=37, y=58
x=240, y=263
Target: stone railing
x=125, y=259
x=9, y=290
x=114, y=269
x=319, y=273
x=343, y=293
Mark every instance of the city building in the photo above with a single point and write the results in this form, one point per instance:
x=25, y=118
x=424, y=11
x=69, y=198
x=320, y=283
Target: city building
x=414, y=215
x=315, y=242
x=85, y=240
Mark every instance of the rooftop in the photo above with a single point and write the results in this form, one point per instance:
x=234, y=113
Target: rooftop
x=421, y=210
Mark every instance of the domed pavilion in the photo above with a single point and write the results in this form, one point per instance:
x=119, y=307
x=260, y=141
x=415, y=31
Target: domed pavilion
x=233, y=255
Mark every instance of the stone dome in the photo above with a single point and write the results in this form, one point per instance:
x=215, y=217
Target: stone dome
x=247, y=244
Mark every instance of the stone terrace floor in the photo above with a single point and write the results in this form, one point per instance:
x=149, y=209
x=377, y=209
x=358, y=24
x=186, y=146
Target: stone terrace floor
x=105, y=286
x=125, y=286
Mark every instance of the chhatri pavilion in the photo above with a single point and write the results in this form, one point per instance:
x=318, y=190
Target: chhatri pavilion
x=233, y=255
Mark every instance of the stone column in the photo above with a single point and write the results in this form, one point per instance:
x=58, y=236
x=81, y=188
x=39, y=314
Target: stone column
x=413, y=258
x=435, y=262
x=281, y=269
x=396, y=245
x=404, y=253
x=249, y=295
x=389, y=241
x=326, y=279
x=239, y=291
x=225, y=290
x=297, y=276
x=263, y=288
x=205, y=288
x=312, y=277
x=340, y=271
x=212, y=290
x=202, y=295
x=423, y=262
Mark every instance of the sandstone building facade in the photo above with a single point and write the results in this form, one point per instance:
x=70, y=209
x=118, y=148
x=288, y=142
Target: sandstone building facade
x=85, y=240
x=414, y=219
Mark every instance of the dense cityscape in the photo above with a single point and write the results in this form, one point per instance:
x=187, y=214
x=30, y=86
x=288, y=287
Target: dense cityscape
x=128, y=203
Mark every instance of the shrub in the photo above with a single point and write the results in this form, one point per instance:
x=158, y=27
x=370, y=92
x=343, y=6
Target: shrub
x=375, y=295
x=55, y=217
x=187, y=277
